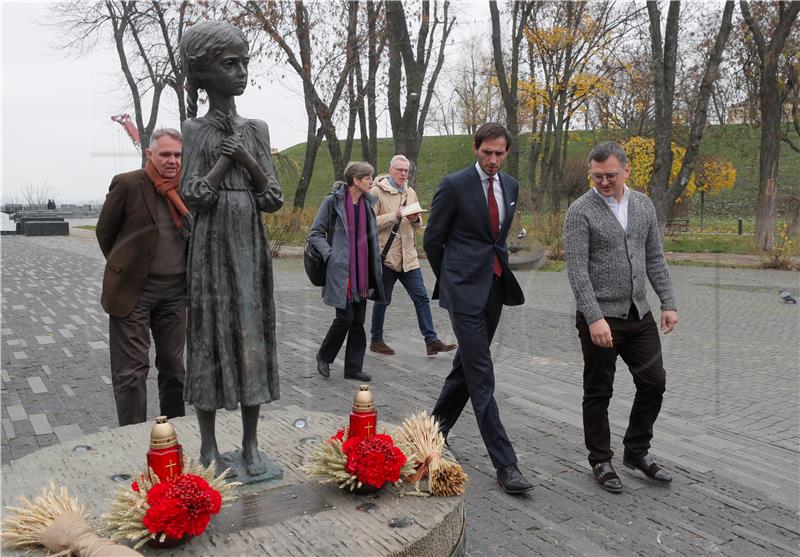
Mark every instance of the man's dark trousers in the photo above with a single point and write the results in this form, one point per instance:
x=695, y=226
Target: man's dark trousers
x=472, y=377
x=637, y=342
x=162, y=309
x=349, y=322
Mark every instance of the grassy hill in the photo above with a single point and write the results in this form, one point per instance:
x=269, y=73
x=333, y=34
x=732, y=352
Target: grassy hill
x=441, y=155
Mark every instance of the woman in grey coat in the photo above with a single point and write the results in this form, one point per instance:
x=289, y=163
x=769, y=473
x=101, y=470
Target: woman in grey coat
x=353, y=267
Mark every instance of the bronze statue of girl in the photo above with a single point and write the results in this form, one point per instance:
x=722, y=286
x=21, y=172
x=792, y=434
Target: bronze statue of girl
x=228, y=180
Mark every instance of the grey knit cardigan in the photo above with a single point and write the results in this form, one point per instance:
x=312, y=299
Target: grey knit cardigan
x=606, y=265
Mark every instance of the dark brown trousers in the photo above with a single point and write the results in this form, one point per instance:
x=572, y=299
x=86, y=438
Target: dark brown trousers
x=161, y=309
x=637, y=342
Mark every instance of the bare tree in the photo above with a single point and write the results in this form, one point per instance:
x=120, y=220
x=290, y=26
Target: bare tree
x=568, y=42
x=474, y=96
x=771, y=98
x=508, y=78
x=664, y=56
x=34, y=195
x=145, y=36
x=309, y=39
x=409, y=64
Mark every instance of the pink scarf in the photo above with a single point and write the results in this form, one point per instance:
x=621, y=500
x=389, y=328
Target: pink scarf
x=359, y=251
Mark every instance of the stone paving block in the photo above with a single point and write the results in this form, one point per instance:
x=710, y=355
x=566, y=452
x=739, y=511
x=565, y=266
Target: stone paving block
x=20, y=355
x=40, y=424
x=46, y=369
x=66, y=351
x=37, y=385
x=8, y=429
x=105, y=379
x=16, y=412
x=97, y=344
x=66, y=333
x=67, y=432
x=68, y=390
x=48, y=320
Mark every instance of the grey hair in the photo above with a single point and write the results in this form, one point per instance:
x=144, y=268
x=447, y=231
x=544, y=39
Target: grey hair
x=398, y=158
x=357, y=170
x=161, y=132
x=606, y=149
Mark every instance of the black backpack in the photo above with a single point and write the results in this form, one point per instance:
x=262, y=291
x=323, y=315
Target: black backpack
x=313, y=261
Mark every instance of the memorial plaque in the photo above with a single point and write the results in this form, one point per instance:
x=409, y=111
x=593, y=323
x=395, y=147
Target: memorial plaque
x=268, y=507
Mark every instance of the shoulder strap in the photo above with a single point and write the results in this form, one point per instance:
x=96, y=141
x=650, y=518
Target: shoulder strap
x=393, y=233
x=331, y=218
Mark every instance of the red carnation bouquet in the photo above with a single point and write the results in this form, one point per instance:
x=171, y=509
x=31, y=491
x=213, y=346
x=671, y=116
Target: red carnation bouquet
x=374, y=460
x=168, y=510
x=358, y=462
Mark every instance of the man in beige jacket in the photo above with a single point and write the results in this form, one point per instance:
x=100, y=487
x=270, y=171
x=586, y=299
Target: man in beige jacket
x=401, y=261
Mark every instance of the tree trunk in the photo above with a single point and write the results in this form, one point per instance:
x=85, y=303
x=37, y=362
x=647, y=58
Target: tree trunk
x=508, y=81
x=313, y=141
x=770, y=103
x=408, y=122
x=663, y=64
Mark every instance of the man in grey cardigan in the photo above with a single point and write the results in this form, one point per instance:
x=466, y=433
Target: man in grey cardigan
x=612, y=243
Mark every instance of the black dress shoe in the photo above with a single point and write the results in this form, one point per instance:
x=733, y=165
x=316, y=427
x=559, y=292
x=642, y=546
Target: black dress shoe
x=323, y=367
x=648, y=467
x=512, y=480
x=606, y=476
x=357, y=375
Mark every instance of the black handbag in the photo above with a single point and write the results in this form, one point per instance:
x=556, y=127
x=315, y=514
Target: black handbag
x=315, y=265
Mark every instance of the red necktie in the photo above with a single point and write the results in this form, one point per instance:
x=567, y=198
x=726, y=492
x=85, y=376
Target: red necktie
x=494, y=223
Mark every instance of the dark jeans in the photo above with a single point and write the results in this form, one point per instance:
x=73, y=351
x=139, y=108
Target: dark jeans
x=161, y=309
x=415, y=286
x=349, y=322
x=472, y=378
x=637, y=342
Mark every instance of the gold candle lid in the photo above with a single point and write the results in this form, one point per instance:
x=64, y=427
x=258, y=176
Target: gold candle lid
x=163, y=434
x=363, y=402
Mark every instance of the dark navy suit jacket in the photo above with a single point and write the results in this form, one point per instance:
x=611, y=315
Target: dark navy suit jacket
x=460, y=246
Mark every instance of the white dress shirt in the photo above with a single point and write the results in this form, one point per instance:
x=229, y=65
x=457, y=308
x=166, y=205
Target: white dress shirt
x=498, y=192
x=620, y=209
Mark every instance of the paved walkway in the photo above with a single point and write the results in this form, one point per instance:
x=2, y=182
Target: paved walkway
x=728, y=431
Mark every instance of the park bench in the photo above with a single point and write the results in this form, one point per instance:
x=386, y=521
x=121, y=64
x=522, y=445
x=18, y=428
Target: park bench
x=677, y=225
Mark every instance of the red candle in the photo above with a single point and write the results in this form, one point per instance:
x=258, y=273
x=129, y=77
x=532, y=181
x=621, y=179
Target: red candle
x=165, y=456
x=363, y=417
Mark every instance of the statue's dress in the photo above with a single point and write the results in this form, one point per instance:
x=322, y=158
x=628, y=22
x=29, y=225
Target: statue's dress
x=231, y=346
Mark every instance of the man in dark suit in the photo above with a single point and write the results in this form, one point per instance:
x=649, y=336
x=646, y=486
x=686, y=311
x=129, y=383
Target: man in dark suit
x=465, y=240
x=142, y=230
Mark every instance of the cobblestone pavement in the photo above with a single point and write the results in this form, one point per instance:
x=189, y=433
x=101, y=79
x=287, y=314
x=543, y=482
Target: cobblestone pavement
x=728, y=430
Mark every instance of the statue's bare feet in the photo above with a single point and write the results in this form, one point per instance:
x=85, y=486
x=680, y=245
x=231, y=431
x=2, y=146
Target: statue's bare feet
x=211, y=454
x=252, y=460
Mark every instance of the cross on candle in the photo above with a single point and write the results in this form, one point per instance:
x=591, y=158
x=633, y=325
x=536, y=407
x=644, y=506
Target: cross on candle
x=367, y=428
x=169, y=467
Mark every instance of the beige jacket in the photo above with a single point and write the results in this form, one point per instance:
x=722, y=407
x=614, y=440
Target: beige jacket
x=402, y=256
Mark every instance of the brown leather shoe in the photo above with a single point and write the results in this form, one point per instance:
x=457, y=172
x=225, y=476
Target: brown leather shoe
x=380, y=347
x=438, y=346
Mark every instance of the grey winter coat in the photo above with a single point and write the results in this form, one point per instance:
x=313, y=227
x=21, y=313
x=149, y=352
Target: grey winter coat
x=337, y=255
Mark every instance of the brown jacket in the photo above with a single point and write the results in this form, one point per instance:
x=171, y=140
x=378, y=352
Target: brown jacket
x=402, y=256
x=127, y=231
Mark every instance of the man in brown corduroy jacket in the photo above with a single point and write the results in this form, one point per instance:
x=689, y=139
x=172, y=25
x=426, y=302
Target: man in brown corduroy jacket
x=142, y=231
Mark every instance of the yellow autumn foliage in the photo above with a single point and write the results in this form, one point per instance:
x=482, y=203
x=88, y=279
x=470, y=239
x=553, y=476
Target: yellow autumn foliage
x=711, y=174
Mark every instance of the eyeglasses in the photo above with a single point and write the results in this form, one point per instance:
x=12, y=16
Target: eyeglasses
x=400, y=170
x=611, y=177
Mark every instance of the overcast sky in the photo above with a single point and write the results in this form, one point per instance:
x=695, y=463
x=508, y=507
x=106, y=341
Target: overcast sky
x=56, y=109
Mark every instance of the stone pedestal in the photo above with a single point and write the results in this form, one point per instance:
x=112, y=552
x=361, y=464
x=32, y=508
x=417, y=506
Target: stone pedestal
x=291, y=516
